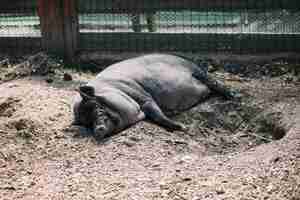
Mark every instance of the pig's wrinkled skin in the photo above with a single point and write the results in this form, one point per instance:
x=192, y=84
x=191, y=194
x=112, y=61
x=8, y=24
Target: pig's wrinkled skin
x=150, y=87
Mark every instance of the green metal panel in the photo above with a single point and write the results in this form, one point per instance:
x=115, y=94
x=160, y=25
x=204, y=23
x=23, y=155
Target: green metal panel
x=244, y=43
x=18, y=6
x=20, y=44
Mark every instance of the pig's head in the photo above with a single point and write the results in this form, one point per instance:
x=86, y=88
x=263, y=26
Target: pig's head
x=94, y=114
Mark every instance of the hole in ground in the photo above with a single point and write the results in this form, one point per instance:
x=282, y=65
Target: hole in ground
x=228, y=126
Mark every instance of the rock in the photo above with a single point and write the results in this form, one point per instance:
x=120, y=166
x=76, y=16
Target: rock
x=128, y=143
x=39, y=64
x=4, y=63
x=135, y=139
x=8, y=106
x=220, y=191
x=233, y=68
x=212, y=68
x=288, y=78
x=187, y=179
x=49, y=80
x=68, y=77
x=26, y=134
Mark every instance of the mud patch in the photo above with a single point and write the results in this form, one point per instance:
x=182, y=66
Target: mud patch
x=8, y=106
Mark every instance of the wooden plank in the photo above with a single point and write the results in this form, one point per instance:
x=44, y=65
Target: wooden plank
x=71, y=29
x=138, y=6
x=205, y=42
x=20, y=44
x=52, y=25
x=59, y=27
x=18, y=6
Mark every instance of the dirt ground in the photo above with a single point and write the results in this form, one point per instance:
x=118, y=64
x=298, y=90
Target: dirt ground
x=243, y=150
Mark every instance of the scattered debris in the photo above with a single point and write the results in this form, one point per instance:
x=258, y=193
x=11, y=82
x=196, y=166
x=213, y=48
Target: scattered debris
x=8, y=106
x=25, y=128
x=4, y=63
x=38, y=64
x=49, y=80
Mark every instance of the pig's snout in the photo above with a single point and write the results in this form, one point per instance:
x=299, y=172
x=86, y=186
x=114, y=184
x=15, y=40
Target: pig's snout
x=100, y=131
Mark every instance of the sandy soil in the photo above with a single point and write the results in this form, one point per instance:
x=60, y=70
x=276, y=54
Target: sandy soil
x=42, y=158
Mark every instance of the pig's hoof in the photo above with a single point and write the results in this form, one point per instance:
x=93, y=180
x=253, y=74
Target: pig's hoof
x=78, y=130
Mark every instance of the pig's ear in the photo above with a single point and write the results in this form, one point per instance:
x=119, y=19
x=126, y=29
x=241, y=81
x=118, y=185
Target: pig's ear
x=87, y=92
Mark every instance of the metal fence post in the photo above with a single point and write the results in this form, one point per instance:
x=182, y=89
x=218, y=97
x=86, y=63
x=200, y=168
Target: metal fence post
x=59, y=27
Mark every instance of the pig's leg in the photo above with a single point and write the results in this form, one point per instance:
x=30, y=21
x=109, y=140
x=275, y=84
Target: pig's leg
x=155, y=115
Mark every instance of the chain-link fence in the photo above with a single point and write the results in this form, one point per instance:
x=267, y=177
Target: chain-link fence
x=244, y=21
x=19, y=26
x=239, y=26
x=248, y=26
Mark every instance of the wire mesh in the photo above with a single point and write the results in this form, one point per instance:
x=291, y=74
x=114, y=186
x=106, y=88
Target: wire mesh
x=19, y=26
x=187, y=21
x=178, y=27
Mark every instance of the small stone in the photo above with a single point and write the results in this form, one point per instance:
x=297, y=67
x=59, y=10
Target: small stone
x=49, y=80
x=270, y=189
x=52, y=119
x=67, y=77
x=212, y=68
x=186, y=179
x=59, y=136
x=276, y=159
x=134, y=139
x=220, y=191
x=13, y=85
x=8, y=188
x=155, y=165
x=32, y=183
x=128, y=143
x=163, y=185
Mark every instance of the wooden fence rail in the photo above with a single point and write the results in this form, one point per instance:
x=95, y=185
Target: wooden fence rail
x=59, y=26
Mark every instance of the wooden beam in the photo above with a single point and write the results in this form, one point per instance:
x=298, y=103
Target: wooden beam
x=71, y=29
x=59, y=27
x=52, y=25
